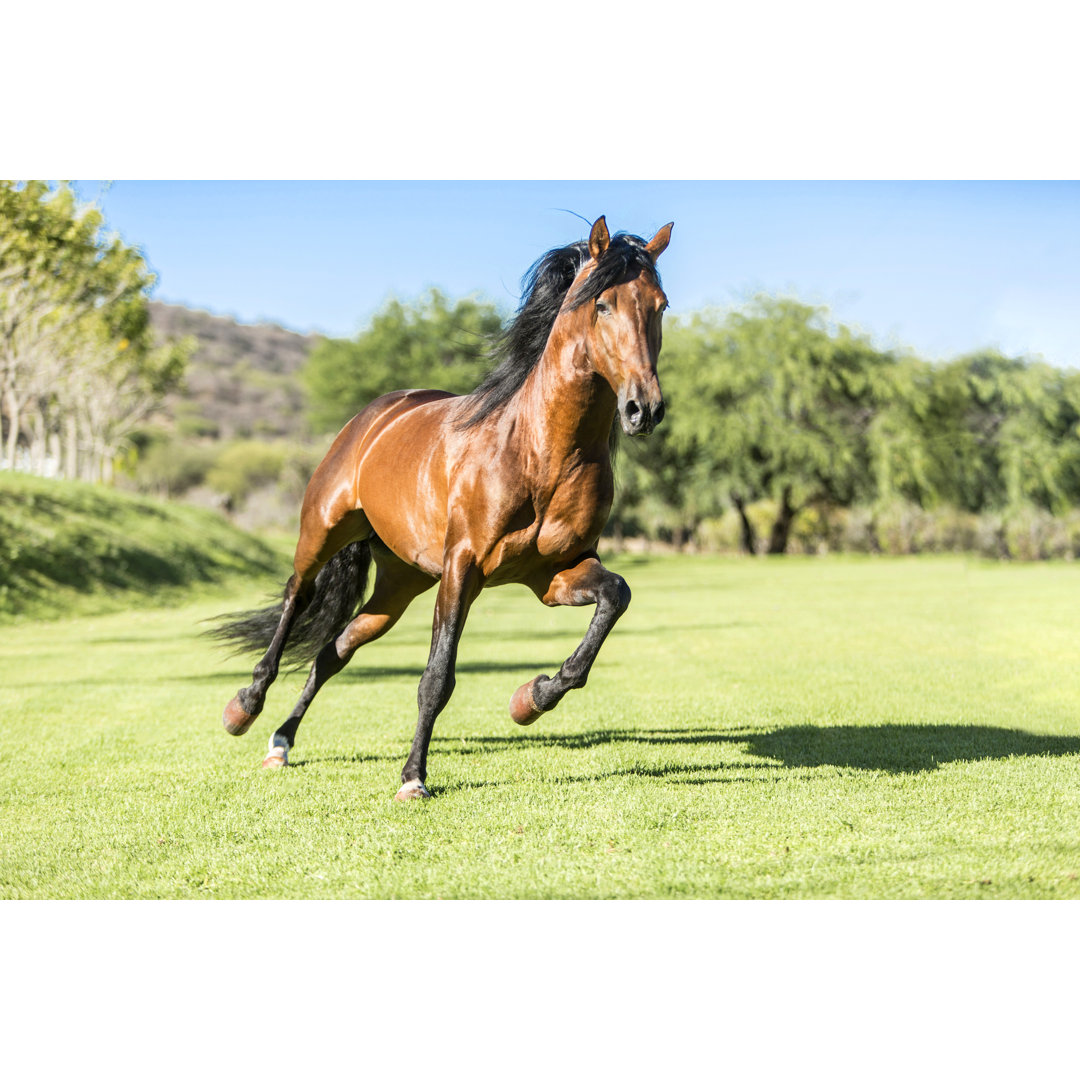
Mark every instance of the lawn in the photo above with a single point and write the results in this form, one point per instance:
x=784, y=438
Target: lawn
x=784, y=728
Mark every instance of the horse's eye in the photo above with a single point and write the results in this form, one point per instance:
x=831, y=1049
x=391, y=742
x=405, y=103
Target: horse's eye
x=602, y=308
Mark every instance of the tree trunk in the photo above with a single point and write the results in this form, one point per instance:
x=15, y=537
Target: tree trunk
x=749, y=536
x=71, y=450
x=54, y=452
x=781, y=530
x=14, y=415
x=37, y=441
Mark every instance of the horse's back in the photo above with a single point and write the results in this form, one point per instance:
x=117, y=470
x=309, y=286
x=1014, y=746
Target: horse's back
x=374, y=419
x=357, y=437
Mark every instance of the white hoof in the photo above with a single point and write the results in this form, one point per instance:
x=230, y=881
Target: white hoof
x=277, y=754
x=412, y=789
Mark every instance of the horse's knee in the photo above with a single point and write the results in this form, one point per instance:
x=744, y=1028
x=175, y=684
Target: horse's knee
x=436, y=686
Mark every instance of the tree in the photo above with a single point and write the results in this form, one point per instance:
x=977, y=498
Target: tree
x=431, y=343
x=1037, y=444
x=773, y=402
x=78, y=364
x=983, y=432
x=119, y=377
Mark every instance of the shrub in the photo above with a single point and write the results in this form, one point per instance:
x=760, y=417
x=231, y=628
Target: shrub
x=171, y=467
x=244, y=466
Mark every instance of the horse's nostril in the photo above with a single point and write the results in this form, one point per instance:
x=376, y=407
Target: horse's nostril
x=633, y=410
x=658, y=415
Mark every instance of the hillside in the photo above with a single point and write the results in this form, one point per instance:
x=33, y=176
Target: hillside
x=242, y=380
x=74, y=548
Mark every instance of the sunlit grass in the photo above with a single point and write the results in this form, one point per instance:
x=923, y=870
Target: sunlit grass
x=834, y=727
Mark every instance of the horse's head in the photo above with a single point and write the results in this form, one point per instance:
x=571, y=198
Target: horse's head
x=623, y=303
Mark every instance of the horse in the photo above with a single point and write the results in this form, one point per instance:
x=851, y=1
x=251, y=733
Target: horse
x=512, y=482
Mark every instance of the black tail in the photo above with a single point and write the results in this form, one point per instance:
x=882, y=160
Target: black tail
x=336, y=597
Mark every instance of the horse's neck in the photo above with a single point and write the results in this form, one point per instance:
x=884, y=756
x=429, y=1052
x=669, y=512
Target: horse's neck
x=565, y=403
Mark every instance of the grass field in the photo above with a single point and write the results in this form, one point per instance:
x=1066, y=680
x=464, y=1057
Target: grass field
x=835, y=727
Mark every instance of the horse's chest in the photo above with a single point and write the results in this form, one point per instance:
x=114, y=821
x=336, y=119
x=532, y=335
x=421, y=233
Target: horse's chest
x=576, y=512
x=544, y=524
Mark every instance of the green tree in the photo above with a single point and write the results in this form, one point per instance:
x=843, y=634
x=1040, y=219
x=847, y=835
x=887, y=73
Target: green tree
x=983, y=432
x=663, y=489
x=431, y=343
x=77, y=361
x=119, y=376
x=1037, y=444
x=772, y=402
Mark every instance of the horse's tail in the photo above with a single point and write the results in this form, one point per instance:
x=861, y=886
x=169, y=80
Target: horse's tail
x=334, y=601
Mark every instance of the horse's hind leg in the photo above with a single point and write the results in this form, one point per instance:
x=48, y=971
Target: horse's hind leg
x=396, y=586
x=317, y=545
x=588, y=582
x=245, y=706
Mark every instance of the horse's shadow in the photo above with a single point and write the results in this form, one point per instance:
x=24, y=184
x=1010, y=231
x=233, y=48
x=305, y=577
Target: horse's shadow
x=892, y=748
x=903, y=748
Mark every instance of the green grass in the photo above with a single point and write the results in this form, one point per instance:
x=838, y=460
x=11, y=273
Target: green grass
x=69, y=548
x=836, y=727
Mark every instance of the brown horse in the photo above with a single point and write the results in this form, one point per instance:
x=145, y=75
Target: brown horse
x=511, y=483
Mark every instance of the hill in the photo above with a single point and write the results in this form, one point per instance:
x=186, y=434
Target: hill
x=72, y=548
x=242, y=381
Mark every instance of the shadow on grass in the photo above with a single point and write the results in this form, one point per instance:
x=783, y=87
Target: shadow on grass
x=889, y=748
x=345, y=759
x=902, y=748
x=894, y=748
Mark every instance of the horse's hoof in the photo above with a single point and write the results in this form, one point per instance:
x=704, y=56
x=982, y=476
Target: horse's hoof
x=277, y=753
x=412, y=789
x=523, y=708
x=236, y=718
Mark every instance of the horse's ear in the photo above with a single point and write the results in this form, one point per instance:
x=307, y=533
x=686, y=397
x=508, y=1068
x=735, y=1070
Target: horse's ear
x=599, y=238
x=656, y=245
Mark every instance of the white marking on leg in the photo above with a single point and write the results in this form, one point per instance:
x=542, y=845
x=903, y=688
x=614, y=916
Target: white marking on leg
x=277, y=752
x=412, y=789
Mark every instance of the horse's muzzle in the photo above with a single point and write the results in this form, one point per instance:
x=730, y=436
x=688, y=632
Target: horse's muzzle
x=639, y=416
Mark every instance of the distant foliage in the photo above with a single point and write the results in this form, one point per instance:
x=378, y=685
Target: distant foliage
x=791, y=432
x=785, y=431
x=244, y=466
x=769, y=402
x=431, y=344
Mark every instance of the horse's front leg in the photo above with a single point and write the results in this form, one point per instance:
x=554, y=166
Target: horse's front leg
x=458, y=588
x=588, y=582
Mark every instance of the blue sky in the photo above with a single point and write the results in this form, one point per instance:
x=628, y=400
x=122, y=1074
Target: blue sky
x=941, y=267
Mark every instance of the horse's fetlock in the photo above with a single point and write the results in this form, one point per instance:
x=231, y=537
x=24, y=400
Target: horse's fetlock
x=573, y=678
x=250, y=701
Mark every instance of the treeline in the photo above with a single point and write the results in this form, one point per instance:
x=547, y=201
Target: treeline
x=80, y=367
x=786, y=431
x=806, y=434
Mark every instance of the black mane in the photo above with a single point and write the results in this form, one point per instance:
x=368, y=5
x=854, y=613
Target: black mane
x=544, y=288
